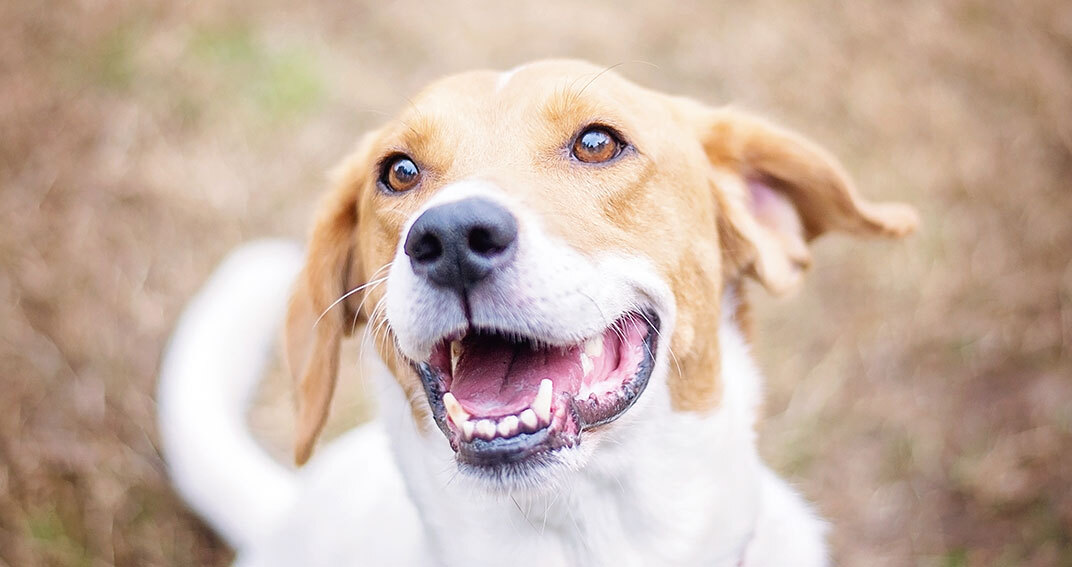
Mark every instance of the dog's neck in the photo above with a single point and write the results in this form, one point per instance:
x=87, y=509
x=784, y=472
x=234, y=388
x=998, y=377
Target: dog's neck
x=658, y=492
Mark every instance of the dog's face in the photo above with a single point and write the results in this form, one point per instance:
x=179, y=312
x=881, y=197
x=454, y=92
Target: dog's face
x=528, y=250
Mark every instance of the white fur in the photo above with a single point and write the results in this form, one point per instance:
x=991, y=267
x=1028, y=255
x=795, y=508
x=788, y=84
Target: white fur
x=215, y=358
x=656, y=487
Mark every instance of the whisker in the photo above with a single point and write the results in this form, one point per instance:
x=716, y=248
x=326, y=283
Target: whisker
x=383, y=324
x=669, y=350
x=523, y=514
x=344, y=296
x=373, y=283
x=598, y=75
x=357, y=312
x=370, y=335
x=373, y=322
x=598, y=308
x=382, y=268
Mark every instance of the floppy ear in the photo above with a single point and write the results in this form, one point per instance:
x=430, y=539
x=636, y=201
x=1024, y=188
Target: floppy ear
x=779, y=191
x=318, y=317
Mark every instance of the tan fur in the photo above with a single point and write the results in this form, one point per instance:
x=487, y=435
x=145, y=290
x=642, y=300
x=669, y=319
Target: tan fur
x=682, y=201
x=313, y=331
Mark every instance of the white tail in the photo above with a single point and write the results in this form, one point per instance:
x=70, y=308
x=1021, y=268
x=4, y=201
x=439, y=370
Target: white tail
x=213, y=363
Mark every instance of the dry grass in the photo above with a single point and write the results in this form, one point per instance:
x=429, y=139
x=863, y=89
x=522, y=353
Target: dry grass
x=920, y=393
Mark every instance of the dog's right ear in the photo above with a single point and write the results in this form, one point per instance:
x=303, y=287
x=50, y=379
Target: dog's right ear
x=319, y=316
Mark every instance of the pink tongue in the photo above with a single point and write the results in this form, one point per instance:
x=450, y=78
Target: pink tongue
x=495, y=377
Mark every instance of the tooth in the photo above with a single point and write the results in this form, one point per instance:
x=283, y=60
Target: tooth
x=455, y=354
x=455, y=409
x=529, y=420
x=486, y=429
x=508, y=426
x=586, y=364
x=542, y=404
x=593, y=347
x=467, y=430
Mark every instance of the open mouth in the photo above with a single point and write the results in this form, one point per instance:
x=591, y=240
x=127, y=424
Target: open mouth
x=505, y=399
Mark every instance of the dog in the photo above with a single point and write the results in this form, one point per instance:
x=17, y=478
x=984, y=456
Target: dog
x=551, y=265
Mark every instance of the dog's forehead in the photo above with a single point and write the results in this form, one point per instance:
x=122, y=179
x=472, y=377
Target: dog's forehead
x=555, y=90
x=529, y=82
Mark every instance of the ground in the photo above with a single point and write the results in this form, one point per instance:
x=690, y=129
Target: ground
x=920, y=392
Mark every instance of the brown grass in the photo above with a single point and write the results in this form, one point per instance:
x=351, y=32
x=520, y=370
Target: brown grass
x=920, y=392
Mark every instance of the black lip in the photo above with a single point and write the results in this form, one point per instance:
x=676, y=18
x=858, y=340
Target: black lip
x=433, y=388
x=499, y=452
x=480, y=452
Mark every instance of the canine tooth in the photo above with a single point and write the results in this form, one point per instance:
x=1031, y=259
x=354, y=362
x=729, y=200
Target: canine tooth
x=542, y=404
x=455, y=354
x=455, y=409
x=508, y=426
x=586, y=364
x=529, y=420
x=485, y=428
x=467, y=430
x=593, y=347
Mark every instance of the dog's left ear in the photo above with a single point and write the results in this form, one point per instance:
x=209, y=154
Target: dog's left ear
x=318, y=316
x=778, y=191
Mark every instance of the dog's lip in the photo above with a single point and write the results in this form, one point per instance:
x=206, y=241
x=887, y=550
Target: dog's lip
x=570, y=415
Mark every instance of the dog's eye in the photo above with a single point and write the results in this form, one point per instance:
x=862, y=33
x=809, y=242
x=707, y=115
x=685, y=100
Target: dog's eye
x=596, y=145
x=400, y=174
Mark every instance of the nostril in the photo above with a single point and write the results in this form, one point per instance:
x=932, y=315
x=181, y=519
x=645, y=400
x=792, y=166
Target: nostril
x=483, y=242
x=426, y=249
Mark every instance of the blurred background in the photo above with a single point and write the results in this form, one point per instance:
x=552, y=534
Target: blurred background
x=920, y=392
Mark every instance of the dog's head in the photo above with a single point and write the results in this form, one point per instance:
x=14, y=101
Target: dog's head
x=528, y=248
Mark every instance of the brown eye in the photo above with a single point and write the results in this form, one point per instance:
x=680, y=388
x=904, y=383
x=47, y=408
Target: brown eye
x=596, y=145
x=401, y=174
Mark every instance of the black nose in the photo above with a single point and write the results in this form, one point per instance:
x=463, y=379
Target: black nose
x=458, y=244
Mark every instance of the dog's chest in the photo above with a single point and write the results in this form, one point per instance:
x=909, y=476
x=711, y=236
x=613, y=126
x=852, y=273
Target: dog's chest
x=593, y=524
x=651, y=502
